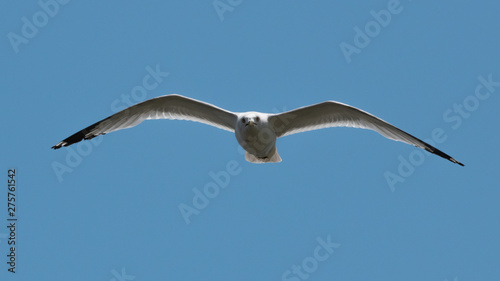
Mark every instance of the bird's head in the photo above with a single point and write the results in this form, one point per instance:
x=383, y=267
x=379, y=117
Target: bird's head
x=250, y=120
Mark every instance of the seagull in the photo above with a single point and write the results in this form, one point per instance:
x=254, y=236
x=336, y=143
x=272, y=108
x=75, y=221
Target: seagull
x=256, y=132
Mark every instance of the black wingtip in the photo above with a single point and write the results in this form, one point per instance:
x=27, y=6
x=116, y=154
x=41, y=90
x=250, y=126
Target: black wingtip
x=60, y=144
x=77, y=137
x=450, y=158
x=446, y=156
x=438, y=152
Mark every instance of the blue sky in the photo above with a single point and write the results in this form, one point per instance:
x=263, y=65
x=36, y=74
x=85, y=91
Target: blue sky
x=345, y=204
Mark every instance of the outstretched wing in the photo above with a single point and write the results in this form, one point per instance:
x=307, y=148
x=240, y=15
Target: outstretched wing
x=164, y=107
x=335, y=114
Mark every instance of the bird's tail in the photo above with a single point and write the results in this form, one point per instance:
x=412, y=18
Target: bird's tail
x=273, y=157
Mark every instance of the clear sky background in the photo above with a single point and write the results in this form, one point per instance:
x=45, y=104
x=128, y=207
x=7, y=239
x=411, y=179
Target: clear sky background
x=109, y=209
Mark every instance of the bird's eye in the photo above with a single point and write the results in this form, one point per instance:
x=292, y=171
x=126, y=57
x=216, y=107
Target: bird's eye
x=242, y=120
x=257, y=119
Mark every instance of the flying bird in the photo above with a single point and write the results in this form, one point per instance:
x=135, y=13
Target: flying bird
x=256, y=132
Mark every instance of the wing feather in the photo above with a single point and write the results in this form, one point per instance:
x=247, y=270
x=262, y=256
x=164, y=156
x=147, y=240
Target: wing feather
x=164, y=107
x=336, y=114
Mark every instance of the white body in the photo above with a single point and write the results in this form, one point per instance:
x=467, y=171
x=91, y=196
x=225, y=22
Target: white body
x=256, y=135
